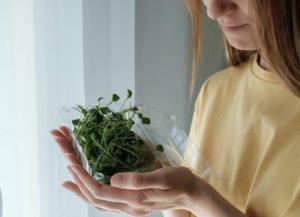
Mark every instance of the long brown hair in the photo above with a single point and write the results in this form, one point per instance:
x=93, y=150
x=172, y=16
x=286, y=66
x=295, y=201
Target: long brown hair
x=278, y=29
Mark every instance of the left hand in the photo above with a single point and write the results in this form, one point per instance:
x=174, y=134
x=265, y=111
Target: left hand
x=132, y=193
x=139, y=194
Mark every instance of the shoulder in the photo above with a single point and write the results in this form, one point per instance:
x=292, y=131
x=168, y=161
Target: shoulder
x=230, y=74
x=224, y=82
x=228, y=77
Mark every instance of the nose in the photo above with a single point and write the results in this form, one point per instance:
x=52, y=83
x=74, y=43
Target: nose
x=218, y=8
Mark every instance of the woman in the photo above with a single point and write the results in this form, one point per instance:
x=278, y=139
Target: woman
x=246, y=124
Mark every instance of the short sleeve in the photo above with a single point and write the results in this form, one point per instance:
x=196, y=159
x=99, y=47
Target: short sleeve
x=192, y=156
x=189, y=152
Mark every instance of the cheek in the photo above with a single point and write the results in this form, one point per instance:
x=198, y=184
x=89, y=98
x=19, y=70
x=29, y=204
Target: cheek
x=244, y=6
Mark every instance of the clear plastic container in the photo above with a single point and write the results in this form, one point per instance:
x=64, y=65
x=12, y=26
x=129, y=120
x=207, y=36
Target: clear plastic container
x=162, y=130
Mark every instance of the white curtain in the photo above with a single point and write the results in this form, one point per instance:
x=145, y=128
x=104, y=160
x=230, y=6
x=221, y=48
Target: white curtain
x=41, y=68
x=44, y=48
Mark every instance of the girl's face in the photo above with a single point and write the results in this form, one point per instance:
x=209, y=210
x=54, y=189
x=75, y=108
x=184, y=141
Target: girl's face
x=234, y=20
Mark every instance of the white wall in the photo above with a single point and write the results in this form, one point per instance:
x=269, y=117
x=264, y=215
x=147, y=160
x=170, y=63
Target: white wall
x=163, y=33
x=109, y=48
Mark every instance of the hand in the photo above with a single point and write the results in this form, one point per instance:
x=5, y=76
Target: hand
x=136, y=194
x=64, y=140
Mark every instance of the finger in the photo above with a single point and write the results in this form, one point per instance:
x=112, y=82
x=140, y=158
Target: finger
x=137, y=181
x=109, y=193
x=59, y=133
x=152, y=206
x=75, y=190
x=66, y=146
x=138, y=208
x=173, y=197
x=73, y=159
x=102, y=204
x=66, y=131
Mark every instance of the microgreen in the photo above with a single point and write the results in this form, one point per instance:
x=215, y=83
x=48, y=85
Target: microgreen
x=107, y=139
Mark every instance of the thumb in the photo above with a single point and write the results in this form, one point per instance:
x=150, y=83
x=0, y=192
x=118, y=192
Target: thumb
x=138, y=181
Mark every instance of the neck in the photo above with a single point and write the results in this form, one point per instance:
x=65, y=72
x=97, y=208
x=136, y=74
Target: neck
x=263, y=63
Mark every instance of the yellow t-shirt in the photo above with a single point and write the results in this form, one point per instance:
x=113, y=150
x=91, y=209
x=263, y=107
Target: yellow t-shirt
x=246, y=126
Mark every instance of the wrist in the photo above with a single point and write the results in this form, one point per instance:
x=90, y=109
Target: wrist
x=199, y=201
x=206, y=201
x=197, y=198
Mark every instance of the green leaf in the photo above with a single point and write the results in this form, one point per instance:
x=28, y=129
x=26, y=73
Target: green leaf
x=118, y=116
x=146, y=120
x=115, y=98
x=75, y=122
x=140, y=115
x=104, y=110
x=135, y=109
x=129, y=94
x=160, y=148
x=81, y=109
x=100, y=98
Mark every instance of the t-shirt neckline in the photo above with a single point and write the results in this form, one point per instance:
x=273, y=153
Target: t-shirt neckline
x=261, y=73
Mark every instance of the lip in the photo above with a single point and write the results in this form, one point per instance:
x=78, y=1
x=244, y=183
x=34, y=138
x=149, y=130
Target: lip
x=233, y=28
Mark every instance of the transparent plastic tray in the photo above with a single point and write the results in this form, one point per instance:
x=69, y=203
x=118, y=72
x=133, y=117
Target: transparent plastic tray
x=162, y=130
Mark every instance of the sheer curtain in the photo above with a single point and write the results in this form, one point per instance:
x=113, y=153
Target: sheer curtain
x=18, y=165
x=55, y=53
x=41, y=66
